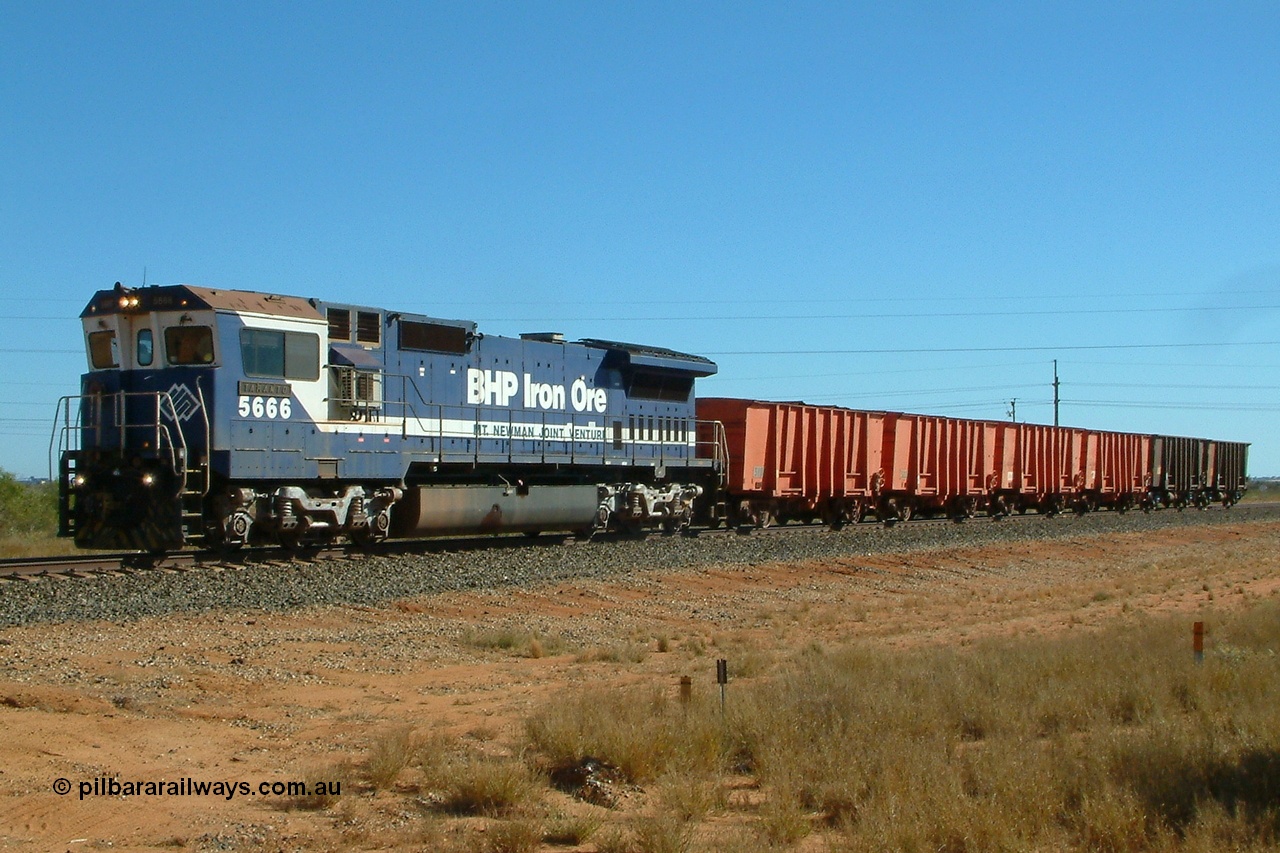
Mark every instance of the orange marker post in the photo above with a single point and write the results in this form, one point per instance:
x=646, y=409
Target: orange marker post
x=1197, y=641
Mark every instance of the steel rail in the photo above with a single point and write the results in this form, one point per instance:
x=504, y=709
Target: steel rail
x=129, y=563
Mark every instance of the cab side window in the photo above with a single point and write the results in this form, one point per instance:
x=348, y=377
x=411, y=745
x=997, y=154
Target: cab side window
x=270, y=354
x=189, y=344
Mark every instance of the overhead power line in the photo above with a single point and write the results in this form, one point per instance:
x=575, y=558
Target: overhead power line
x=941, y=350
x=1197, y=406
x=1177, y=385
x=860, y=315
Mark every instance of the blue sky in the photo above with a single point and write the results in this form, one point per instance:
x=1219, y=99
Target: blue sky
x=892, y=206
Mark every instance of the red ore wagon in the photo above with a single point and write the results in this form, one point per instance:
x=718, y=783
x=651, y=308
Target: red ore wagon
x=798, y=461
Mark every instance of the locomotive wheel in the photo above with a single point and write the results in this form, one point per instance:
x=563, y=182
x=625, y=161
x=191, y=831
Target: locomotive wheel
x=678, y=522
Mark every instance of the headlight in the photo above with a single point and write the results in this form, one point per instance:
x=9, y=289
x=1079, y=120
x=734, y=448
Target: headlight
x=148, y=478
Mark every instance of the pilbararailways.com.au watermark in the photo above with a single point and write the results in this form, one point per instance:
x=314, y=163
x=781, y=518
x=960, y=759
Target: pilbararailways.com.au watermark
x=110, y=786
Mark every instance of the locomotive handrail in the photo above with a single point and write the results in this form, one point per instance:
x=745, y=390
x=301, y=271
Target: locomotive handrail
x=60, y=435
x=68, y=433
x=208, y=442
x=181, y=471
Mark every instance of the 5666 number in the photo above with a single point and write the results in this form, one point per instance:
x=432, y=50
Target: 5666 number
x=268, y=407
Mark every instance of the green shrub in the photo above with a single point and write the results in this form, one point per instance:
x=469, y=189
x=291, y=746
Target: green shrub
x=27, y=509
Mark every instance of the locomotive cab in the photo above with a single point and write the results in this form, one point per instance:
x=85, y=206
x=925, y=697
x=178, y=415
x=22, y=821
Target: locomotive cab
x=134, y=443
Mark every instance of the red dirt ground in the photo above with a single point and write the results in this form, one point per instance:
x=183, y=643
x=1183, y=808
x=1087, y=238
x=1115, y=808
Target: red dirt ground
x=268, y=697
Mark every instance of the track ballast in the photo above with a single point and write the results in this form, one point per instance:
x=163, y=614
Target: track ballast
x=276, y=580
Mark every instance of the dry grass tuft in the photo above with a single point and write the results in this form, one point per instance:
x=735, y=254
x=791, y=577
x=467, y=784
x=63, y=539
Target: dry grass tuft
x=571, y=830
x=489, y=786
x=644, y=733
x=516, y=640
x=388, y=756
x=511, y=836
x=663, y=833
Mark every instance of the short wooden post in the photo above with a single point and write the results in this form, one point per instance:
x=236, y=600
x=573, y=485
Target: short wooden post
x=686, y=690
x=722, y=678
x=1197, y=641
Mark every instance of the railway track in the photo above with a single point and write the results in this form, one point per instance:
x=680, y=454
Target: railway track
x=119, y=590
x=64, y=567
x=123, y=564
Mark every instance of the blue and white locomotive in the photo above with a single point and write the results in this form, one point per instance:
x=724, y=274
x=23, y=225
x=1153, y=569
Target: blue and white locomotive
x=227, y=417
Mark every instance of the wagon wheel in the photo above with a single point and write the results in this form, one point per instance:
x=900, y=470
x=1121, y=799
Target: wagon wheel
x=833, y=515
x=888, y=512
x=905, y=511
